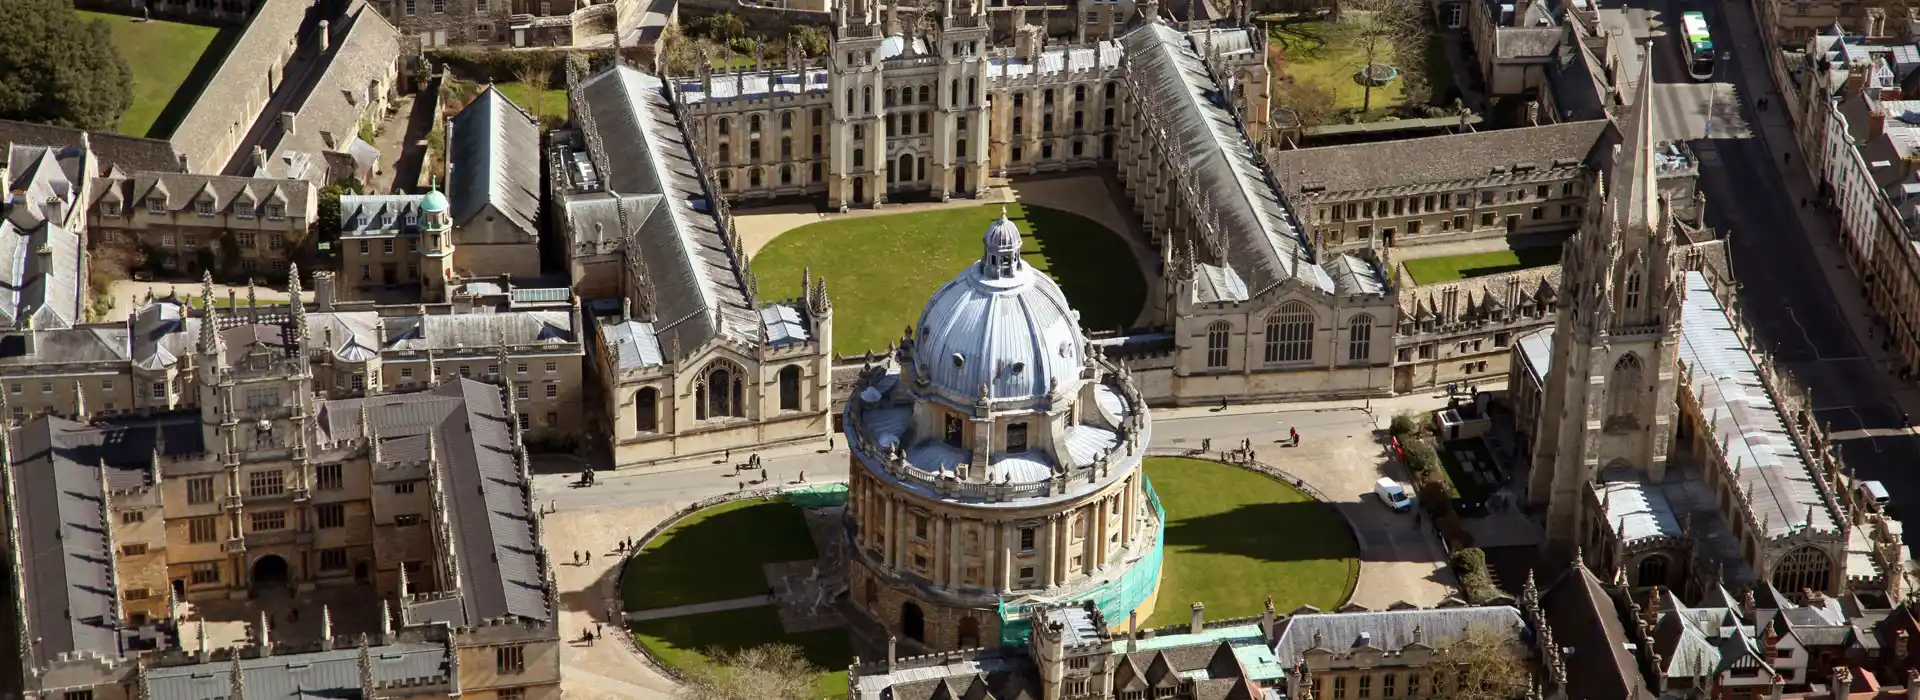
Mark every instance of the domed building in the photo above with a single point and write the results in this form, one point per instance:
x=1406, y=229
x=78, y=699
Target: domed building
x=996, y=464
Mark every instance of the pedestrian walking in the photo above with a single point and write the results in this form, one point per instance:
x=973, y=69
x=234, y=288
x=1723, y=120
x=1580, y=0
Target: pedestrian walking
x=803, y=477
x=742, y=486
x=829, y=443
x=596, y=629
x=1223, y=403
x=1206, y=444
x=763, y=476
x=576, y=557
x=589, y=557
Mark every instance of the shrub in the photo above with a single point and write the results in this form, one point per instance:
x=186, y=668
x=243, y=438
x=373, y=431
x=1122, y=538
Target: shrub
x=1420, y=456
x=1405, y=425
x=1470, y=565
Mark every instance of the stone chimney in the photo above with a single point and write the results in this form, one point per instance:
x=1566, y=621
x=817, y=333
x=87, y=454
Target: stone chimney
x=1198, y=621
x=323, y=290
x=326, y=35
x=1842, y=681
x=1133, y=631
x=287, y=123
x=259, y=157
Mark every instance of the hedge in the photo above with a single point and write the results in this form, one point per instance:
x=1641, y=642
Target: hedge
x=1470, y=565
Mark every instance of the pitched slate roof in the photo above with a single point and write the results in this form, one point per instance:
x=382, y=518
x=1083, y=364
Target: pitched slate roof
x=493, y=158
x=379, y=215
x=224, y=105
x=1435, y=160
x=1389, y=630
x=229, y=194
x=111, y=150
x=327, y=119
x=67, y=568
x=310, y=676
x=1263, y=244
x=653, y=190
x=40, y=276
x=500, y=571
x=1586, y=620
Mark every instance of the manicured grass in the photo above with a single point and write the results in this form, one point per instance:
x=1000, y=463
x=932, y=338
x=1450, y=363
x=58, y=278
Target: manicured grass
x=1235, y=537
x=164, y=57
x=1471, y=490
x=716, y=554
x=684, y=642
x=1325, y=52
x=550, y=107
x=1456, y=267
x=880, y=270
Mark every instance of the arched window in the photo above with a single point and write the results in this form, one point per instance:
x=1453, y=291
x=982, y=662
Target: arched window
x=906, y=167
x=1652, y=571
x=1290, y=333
x=953, y=93
x=906, y=95
x=1803, y=569
x=786, y=174
x=1107, y=118
x=721, y=391
x=1217, y=335
x=866, y=100
x=753, y=178
x=786, y=120
x=753, y=123
x=726, y=126
x=859, y=157
x=1360, y=338
x=726, y=181
x=790, y=388
x=926, y=94
x=1633, y=289
x=973, y=91
x=726, y=153
x=1079, y=92
x=1047, y=97
x=891, y=97
x=1111, y=86
x=1623, y=389
x=646, y=404
x=849, y=100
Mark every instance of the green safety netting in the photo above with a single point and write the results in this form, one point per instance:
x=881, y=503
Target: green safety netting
x=1115, y=598
x=822, y=496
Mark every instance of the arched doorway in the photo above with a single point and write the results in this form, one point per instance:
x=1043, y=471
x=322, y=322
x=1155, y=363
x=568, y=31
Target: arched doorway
x=859, y=190
x=1653, y=571
x=269, y=571
x=906, y=168
x=969, y=633
x=913, y=623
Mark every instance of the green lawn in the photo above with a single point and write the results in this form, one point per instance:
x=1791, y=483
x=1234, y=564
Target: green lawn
x=683, y=641
x=1326, y=53
x=1455, y=267
x=1235, y=537
x=880, y=270
x=550, y=107
x=716, y=554
x=170, y=61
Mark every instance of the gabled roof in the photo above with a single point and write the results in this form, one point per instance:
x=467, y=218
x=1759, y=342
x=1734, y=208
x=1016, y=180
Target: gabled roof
x=320, y=674
x=379, y=215
x=225, y=101
x=1389, y=630
x=110, y=150
x=229, y=194
x=40, y=276
x=1586, y=620
x=1381, y=166
x=493, y=157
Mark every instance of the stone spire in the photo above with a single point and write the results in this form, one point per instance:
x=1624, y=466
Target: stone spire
x=296, y=308
x=326, y=627
x=209, y=325
x=367, y=684
x=236, y=676
x=265, y=636
x=1638, y=209
x=79, y=402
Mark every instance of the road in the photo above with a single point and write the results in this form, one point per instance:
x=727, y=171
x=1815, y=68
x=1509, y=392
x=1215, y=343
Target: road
x=1791, y=285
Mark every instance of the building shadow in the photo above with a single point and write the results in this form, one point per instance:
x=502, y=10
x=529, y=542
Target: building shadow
x=1278, y=532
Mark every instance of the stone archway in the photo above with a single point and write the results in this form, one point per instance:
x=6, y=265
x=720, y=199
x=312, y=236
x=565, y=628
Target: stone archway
x=969, y=633
x=269, y=571
x=1652, y=571
x=913, y=622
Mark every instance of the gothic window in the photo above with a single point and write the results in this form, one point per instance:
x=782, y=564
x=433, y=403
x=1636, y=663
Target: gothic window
x=1803, y=569
x=1217, y=343
x=726, y=154
x=1047, y=97
x=859, y=157
x=753, y=178
x=786, y=148
x=849, y=100
x=1290, y=333
x=1360, y=338
x=1633, y=289
x=726, y=126
x=753, y=124
x=1652, y=571
x=646, y=404
x=953, y=93
x=786, y=174
x=726, y=181
x=866, y=100
x=973, y=91
x=1079, y=92
x=925, y=94
x=1623, y=389
x=790, y=388
x=786, y=120
x=720, y=391
x=891, y=97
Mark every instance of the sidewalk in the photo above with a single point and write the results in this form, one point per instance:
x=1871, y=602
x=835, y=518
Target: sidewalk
x=1777, y=132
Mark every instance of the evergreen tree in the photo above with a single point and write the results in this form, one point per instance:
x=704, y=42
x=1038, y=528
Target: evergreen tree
x=58, y=69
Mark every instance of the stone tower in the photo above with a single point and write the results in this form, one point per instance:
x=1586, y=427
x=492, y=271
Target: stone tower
x=1608, y=409
x=856, y=86
x=436, y=246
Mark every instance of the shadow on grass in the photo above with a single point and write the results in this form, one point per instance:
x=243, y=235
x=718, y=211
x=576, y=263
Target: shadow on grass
x=1099, y=276
x=715, y=555
x=196, y=83
x=685, y=642
x=1526, y=257
x=1275, y=532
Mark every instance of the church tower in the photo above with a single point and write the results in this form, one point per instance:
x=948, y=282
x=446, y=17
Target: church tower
x=1609, y=404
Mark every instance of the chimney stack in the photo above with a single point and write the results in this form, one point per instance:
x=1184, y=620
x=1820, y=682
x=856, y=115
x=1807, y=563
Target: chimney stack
x=1133, y=631
x=1199, y=621
x=323, y=290
x=287, y=123
x=259, y=157
x=326, y=35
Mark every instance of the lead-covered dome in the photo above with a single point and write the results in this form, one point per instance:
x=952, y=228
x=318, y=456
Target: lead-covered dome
x=1000, y=327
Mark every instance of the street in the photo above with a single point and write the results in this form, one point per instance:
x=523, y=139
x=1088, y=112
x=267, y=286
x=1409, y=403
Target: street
x=1795, y=289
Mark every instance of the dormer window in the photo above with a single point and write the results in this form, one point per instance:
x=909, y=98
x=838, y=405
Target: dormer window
x=110, y=209
x=386, y=220
x=413, y=218
x=276, y=211
x=156, y=205
x=203, y=207
x=243, y=210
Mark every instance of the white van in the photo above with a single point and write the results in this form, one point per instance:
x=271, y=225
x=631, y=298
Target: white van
x=1876, y=492
x=1393, y=494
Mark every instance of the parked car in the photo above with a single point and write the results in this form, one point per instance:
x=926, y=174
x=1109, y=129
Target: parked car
x=1393, y=494
x=1876, y=492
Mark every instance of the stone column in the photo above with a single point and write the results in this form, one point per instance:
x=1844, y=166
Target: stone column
x=1053, y=550
x=1106, y=518
x=1004, y=559
x=936, y=557
x=956, y=571
x=893, y=530
x=1126, y=509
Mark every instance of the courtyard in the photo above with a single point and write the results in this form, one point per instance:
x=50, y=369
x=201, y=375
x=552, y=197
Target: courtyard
x=1329, y=54
x=1458, y=267
x=171, y=62
x=1235, y=537
x=880, y=270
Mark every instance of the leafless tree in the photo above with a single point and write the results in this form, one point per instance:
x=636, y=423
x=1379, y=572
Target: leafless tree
x=537, y=74
x=1390, y=32
x=1312, y=103
x=771, y=672
x=1486, y=664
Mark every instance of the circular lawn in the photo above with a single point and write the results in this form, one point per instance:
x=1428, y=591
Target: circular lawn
x=1235, y=537
x=880, y=270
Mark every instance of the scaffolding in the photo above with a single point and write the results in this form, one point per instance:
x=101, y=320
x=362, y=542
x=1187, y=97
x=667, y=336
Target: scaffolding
x=1115, y=599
